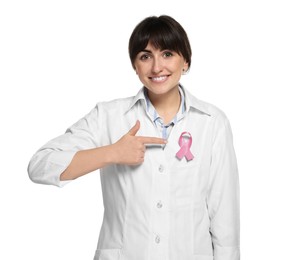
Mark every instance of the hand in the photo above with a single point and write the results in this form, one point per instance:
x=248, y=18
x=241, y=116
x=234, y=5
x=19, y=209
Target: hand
x=130, y=149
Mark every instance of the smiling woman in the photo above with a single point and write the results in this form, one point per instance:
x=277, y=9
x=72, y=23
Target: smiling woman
x=160, y=52
x=160, y=72
x=168, y=172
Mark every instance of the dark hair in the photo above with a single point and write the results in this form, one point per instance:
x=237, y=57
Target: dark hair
x=163, y=32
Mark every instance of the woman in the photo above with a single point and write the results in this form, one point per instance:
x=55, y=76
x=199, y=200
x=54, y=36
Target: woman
x=167, y=163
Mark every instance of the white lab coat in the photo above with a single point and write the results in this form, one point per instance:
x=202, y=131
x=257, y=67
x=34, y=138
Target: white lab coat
x=165, y=208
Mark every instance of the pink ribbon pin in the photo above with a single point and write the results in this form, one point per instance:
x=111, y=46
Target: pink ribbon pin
x=185, y=144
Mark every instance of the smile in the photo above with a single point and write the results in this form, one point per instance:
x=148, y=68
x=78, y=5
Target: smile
x=159, y=79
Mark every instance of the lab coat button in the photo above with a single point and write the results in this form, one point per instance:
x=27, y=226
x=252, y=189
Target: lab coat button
x=161, y=168
x=159, y=205
x=158, y=239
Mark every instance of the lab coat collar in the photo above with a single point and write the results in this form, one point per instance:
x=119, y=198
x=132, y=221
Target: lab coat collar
x=139, y=96
x=191, y=101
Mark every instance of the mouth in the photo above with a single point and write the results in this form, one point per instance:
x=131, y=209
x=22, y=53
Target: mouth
x=159, y=78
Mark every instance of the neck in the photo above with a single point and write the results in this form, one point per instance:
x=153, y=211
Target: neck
x=167, y=104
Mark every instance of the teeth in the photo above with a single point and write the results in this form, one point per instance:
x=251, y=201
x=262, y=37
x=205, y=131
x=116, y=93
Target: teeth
x=159, y=78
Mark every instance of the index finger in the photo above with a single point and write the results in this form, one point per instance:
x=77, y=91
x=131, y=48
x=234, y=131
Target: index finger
x=152, y=140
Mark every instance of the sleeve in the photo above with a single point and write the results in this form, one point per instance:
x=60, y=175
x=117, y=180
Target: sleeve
x=47, y=164
x=223, y=194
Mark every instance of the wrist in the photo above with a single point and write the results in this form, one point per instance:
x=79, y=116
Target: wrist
x=111, y=154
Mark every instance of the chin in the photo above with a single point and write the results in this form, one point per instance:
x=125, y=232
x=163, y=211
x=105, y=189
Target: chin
x=159, y=91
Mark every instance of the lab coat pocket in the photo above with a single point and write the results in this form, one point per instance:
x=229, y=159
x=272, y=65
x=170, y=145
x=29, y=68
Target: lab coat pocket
x=107, y=254
x=183, y=176
x=185, y=166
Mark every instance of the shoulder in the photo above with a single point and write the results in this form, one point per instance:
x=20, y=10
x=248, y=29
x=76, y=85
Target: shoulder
x=221, y=130
x=217, y=118
x=115, y=105
x=121, y=105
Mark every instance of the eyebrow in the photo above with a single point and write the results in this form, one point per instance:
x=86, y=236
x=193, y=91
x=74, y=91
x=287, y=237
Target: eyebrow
x=145, y=50
x=161, y=50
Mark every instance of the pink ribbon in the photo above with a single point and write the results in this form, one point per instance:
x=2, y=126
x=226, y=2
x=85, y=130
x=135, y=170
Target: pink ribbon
x=185, y=145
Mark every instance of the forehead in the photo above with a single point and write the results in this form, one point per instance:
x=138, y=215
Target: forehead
x=152, y=48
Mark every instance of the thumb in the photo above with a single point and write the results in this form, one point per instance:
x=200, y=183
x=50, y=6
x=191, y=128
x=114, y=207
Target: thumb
x=134, y=129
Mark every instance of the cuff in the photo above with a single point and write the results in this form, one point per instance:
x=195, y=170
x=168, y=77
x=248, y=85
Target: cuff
x=47, y=170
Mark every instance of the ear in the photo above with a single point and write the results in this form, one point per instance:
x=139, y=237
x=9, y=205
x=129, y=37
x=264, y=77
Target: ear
x=185, y=66
x=134, y=68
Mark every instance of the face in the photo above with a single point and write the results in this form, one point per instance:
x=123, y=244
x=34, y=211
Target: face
x=159, y=70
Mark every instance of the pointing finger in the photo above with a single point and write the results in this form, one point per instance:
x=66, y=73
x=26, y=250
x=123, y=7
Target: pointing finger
x=152, y=140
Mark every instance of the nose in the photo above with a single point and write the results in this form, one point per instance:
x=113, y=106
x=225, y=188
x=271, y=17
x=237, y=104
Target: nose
x=157, y=65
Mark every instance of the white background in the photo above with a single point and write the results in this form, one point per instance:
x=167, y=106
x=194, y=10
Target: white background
x=58, y=58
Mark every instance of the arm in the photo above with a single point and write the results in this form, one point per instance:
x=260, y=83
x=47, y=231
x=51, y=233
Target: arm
x=47, y=164
x=128, y=150
x=72, y=155
x=87, y=161
x=223, y=195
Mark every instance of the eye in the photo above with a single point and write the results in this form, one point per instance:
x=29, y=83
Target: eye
x=144, y=56
x=167, y=54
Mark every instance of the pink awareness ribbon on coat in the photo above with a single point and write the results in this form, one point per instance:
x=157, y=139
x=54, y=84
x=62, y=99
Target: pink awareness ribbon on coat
x=185, y=144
